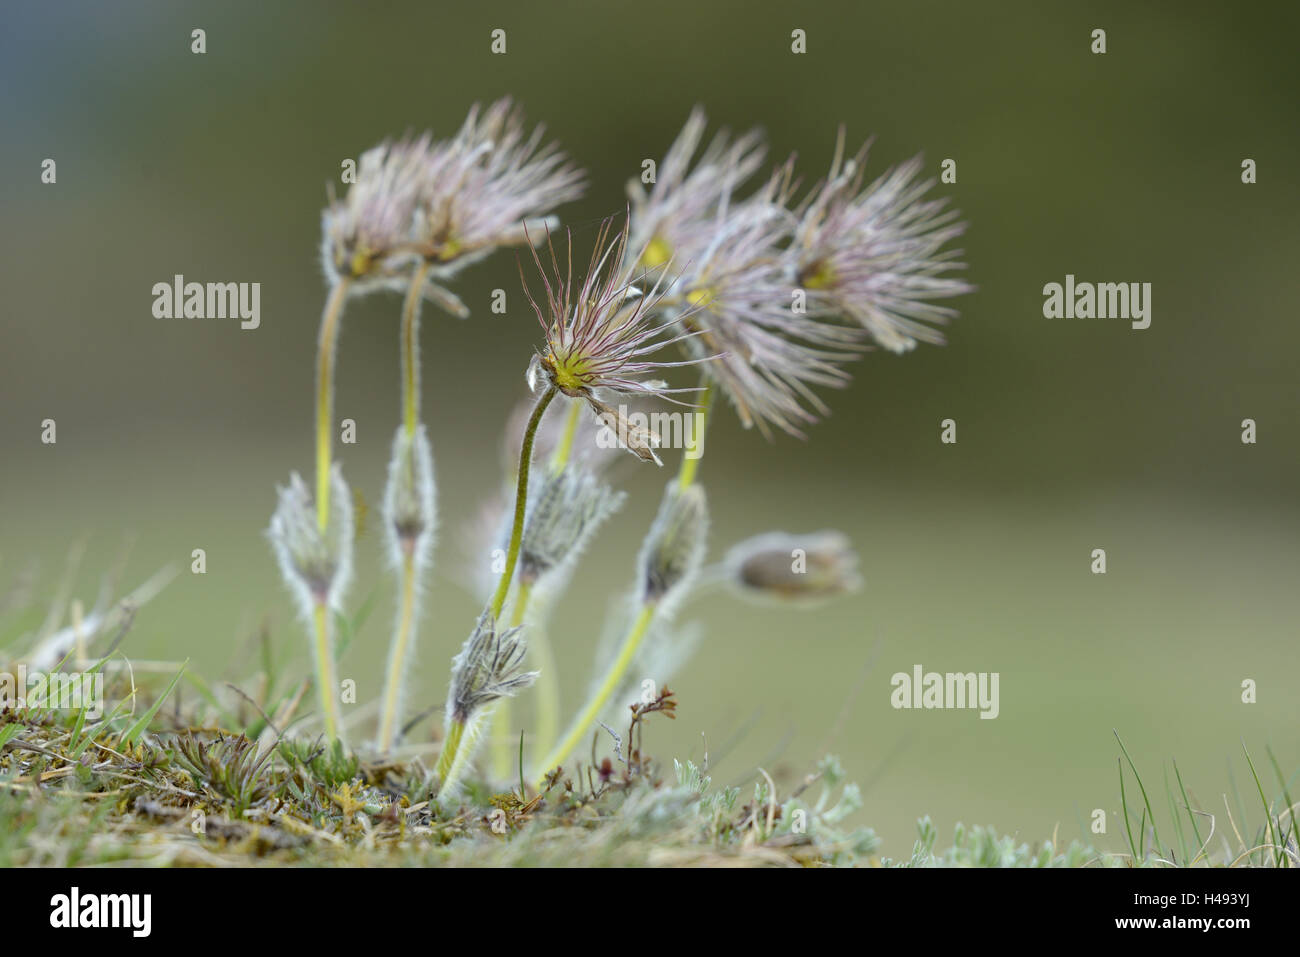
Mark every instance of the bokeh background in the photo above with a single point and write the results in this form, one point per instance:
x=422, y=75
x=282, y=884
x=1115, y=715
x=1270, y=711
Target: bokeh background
x=1073, y=435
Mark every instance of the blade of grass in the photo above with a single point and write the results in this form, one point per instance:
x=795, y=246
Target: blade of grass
x=1268, y=812
x=523, y=789
x=1142, y=833
x=132, y=733
x=1173, y=813
x=1286, y=796
x=1241, y=807
x=1145, y=800
x=1123, y=800
x=1188, y=805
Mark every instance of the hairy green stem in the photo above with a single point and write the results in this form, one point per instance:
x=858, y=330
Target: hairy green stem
x=501, y=732
x=326, y=350
x=411, y=349
x=521, y=500
x=389, y=715
x=403, y=637
x=689, y=466
x=560, y=458
x=326, y=685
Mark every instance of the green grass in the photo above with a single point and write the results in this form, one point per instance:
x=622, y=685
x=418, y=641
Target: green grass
x=170, y=785
x=182, y=771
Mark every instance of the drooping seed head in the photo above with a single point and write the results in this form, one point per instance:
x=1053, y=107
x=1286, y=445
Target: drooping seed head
x=875, y=255
x=794, y=567
x=491, y=187
x=487, y=668
x=673, y=550
x=316, y=566
x=745, y=304
x=446, y=202
x=678, y=215
x=368, y=234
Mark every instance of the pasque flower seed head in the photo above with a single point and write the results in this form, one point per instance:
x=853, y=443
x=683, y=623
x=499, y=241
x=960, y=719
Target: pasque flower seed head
x=600, y=334
x=875, y=255
x=447, y=202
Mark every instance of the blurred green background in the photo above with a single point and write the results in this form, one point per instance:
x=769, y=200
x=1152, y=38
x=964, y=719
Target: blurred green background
x=1073, y=435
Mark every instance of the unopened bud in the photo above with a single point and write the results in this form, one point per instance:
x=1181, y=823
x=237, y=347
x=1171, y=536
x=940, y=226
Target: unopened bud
x=410, y=498
x=673, y=550
x=487, y=668
x=794, y=567
x=569, y=507
x=316, y=565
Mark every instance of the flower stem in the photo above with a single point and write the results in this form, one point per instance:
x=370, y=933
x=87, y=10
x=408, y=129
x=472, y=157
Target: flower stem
x=326, y=349
x=548, y=684
x=565, y=449
x=326, y=686
x=411, y=349
x=521, y=500
x=450, y=748
x=501, y=731
x=689, y=466
x=389, y=715
x=589, y=713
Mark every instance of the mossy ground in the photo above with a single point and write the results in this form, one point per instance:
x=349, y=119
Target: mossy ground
x=206, y=784
x=158, y=788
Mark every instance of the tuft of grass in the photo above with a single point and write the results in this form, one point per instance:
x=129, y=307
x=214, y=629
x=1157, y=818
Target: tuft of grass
x=1270, y=844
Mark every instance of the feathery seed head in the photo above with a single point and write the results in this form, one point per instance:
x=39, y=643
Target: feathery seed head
x=488, y=186
x=316, y=566
x=448, y=202
x=487, y=668
x=367, y=235
x=794, y=567
x=674, y=548
x=875, y=255
x=677, y=216
x=600, y=334
x=743, y=291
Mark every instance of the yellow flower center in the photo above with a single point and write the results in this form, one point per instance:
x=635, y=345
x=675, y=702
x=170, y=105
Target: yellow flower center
x=818, y=275
x=450, y=249
x=657, y=252
x=569, y=373
x=701, y=298
x=361, y=262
